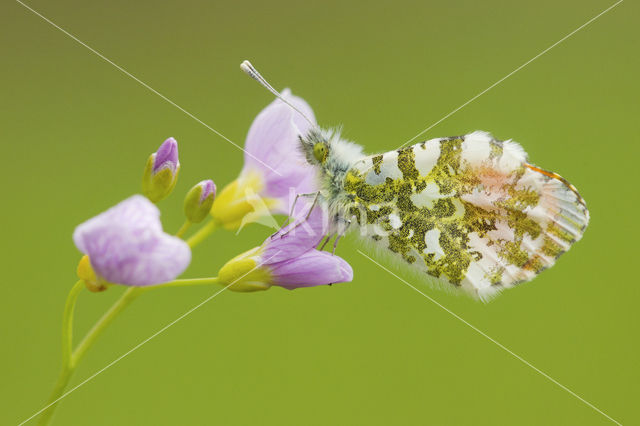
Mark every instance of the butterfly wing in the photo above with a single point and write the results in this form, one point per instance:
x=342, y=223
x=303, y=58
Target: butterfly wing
x=468, y=210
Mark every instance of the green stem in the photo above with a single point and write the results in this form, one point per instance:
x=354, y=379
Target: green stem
x=202, y=233
x=70, y=359
x=58, y=391
x=67, y=337
x=67, y=323
x=187, y=282
x=185, y=226
x=127, y=297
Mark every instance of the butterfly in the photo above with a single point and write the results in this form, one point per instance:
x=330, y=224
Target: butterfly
x=470, y=212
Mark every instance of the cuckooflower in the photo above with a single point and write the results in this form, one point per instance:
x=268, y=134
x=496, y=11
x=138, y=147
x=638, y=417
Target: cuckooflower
x=126, y=245
x=287, y=259
x=273, y=164
x=161, y=172
x=199, y=200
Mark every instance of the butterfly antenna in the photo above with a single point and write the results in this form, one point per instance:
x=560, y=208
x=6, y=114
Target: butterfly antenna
x=253, y=73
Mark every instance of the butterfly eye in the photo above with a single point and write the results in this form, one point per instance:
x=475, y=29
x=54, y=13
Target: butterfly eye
x=320, y=151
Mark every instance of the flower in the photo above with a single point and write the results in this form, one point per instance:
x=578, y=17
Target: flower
x=199, y=200
x=161, y=172
x=287, y=259
x=273, y=164
x=126, y=245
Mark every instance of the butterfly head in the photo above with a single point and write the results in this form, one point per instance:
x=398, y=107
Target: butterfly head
x=316, y=146
x=320, y=152
x=328, y=151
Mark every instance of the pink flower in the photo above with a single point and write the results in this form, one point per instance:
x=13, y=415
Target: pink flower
x=272, y=149
x=287, y=259
x=126, y=245
x=273, y=164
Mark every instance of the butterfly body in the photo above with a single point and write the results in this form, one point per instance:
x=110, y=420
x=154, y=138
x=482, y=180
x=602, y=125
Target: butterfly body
x=469, y=211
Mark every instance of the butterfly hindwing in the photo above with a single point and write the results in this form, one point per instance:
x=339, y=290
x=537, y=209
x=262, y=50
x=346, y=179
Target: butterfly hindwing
x=468, y=210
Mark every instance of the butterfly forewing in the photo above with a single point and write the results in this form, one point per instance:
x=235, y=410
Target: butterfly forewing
x=467, y=210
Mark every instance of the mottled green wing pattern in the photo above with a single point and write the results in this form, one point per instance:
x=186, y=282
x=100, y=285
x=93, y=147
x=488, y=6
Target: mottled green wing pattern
x=468, y=210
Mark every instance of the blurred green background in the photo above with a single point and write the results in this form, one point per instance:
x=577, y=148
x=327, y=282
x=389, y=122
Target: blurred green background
x=76, y=133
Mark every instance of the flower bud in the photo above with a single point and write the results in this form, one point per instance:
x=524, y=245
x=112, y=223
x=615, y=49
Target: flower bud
x=243, y=274
x=161, y=172
x=198, y=202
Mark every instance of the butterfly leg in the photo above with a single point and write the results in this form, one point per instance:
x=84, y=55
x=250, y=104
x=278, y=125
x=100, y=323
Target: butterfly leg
x=326, y=240
x=313, y=205
x=340, y=234
x=295, y=200
x=293, y=206
x=335, y=244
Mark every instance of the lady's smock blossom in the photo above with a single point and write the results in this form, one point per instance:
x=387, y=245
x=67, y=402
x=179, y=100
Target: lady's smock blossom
x=161, y=172
x=199, y=200
x=273, y=164
x=126, y=245
x=287, y=260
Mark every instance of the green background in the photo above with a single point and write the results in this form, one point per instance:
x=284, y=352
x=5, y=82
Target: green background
x=76, y=133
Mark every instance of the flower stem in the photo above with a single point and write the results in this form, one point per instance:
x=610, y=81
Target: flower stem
x=127, y=297
x=70, y=359
x=67, y=323
x=185, y=226
x=202, y=233
x=58, y=390
x=67, y=369
x=187, y=282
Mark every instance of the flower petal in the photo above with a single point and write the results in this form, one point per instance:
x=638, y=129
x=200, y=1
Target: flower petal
x=136, y=214
x=126, y=245
x=167, y=156
x=303, y=106
x=156, y=264
x=272, y=149
x=269, y=136
x=311, y=269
